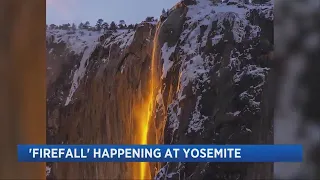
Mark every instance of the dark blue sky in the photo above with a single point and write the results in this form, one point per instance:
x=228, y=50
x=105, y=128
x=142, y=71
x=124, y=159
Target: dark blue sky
x=132, y=11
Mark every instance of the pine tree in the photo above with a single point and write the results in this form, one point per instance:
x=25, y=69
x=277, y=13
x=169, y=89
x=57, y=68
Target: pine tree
x=80, y=26
x=121, y=24
x=113, y=26
x=98, y=25
x=105, y=26
x=135, y=26
x=65, y=26
x=73, y=27
x=149, y=19
x=130, y=26
x=86, y=25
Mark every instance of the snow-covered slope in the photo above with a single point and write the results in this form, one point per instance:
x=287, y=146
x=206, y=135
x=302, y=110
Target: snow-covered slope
x=82, y=43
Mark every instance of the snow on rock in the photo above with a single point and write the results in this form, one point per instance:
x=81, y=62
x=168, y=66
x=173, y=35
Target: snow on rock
x=76, y=41
x=173, y=121
x=196, y=123
x=123, y=38
x=208, y=21
x=82, y=43
x=48, y=170
x=166, y=52
x=80, y=72
x=234, y=113
x=216, y=39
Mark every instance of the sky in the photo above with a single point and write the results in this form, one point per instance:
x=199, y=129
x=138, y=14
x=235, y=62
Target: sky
x=76, y=11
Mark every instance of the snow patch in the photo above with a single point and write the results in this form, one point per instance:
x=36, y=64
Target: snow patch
x=48, y=170
x=173, y=120
x=80, y=72
x=234, y=113
x=196, y=123
x=75, y=41
x=216, y=39
x=123, y=38
x=166, y=52
x=82, y=43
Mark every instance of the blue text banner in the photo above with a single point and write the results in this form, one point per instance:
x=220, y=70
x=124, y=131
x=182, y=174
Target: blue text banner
x=160, y=153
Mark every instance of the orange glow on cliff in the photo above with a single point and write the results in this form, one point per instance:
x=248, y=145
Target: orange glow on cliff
x=149, y=106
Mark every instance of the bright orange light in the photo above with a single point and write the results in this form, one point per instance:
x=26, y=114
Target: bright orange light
x=146, y=117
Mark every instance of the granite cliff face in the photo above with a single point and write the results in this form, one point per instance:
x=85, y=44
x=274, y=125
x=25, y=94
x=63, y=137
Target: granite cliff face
x=195, y=77
x=94, y=94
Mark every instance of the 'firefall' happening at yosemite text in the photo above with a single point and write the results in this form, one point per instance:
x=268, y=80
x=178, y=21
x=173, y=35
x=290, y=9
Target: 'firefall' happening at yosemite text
x=129, y=153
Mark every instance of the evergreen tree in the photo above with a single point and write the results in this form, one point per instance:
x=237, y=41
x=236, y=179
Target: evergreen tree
x=149, y=19
x=65, y=26
x=80, y=26
x=53, y=26
x=86, y=25
x=130, y=26
x=122, y=24
x=105, y=26
x=135, y=26
x=113, y=26
x=99, y=24
x=73, y=27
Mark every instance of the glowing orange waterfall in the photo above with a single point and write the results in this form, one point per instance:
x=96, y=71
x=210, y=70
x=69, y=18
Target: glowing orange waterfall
x=146, y=117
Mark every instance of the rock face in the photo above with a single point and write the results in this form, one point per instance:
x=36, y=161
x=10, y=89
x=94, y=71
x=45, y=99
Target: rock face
x=213, y=83
x=196, y=77
x=93, y=94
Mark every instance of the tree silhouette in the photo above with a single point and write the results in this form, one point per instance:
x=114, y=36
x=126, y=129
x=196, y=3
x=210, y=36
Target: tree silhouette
x=130, y=26
x=113, y=26
x=80, y=26
x=73, y=27
x=149, y=19
x=135, y=26
x=86, y=25
x=52, y=26
x=122, y=24
x=99, y=24
x=65, y=26
x=105, y=26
